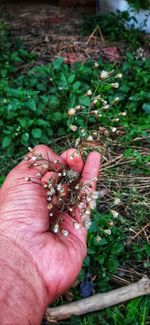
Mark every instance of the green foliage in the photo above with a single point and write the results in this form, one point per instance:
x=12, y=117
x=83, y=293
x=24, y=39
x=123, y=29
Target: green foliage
x=114, y=27
x=137, y=4
x=34, y=104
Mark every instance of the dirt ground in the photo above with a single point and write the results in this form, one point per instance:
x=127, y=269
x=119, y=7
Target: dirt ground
x=52, y=31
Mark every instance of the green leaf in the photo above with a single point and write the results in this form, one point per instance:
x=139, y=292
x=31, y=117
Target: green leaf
x=86, y=261
x=57, y=63
x=31, y=105
x=36, y=133
x=2, y=179
x=54, y=101
x=76, y=86
x=71, y=78
x=6, y=142
x=57, y=116
x=146, y=107
x=85, y=101
x=23, y=121
x=25, y=138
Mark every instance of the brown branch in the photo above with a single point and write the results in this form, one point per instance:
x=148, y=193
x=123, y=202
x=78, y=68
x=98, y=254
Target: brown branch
x=99, y=301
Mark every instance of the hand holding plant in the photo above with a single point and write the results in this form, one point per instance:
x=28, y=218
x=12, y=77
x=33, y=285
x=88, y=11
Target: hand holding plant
x=25, y=225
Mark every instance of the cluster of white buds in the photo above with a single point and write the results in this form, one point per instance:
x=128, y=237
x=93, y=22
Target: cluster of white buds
x=64, y=191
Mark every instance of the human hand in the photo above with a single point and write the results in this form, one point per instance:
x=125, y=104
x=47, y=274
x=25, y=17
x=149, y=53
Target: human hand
x=24, y=220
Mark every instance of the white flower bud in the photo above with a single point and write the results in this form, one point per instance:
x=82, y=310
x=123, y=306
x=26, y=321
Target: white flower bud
x=119, y=75
x=117, y=201
x=115, y=85
x=107, y=231
x=78, y=107
x=115, y=119
x=114, y=213
x=90, y=138
x=116, y=100
x=123, y=114
x=89, y=92
x=113, y=129
x=105, y=107
x=71, y=111
x=96, y=65
x=73, y=127
x=94, y=101
x=98, y=238
x=104, y=74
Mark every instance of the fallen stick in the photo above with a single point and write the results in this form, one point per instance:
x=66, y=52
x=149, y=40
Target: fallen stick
x=99, y=301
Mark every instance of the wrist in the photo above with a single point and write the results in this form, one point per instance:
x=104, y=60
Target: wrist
x=23, y=295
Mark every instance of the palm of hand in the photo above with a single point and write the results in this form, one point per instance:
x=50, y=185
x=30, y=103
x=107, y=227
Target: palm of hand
x=24, y=218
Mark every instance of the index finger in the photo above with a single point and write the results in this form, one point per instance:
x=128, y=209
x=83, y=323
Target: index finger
x=91, y=169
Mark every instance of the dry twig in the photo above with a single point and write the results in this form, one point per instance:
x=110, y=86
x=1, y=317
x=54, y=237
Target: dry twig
x=99, y=301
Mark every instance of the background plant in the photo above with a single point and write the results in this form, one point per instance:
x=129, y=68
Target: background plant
x=140, y=4
x=114, y=28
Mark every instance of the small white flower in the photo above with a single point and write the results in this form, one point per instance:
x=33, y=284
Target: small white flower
x=104, y=74
x=98, y=238
x=113, y=129
x=119, y=75
x=89, y=92
x=55, y=228
x=116, y=100
x=65, y=232
x=115, y=85
x=107, y=231
x=71, y=111
x=78, y=107
x=92, y=204
x=95, y=112
x=90, y=138
x=114, y=213
x=105, y=107
x=104, y=101
x=73, y=127
x=117, y=201
x=95, y=101
x=115, y=119
x=77, y=225
x=95, y=195
x=123, y=114
x=96, y=65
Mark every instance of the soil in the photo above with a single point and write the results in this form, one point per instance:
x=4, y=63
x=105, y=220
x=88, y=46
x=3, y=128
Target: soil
x=52, y=31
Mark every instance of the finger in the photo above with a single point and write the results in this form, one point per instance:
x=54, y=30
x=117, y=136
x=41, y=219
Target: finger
x=73, y=159
x=91, y=169
x=88, y=185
